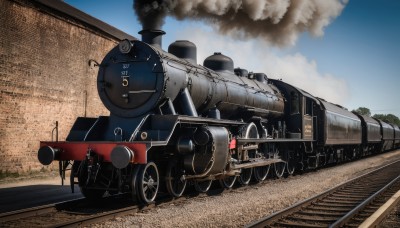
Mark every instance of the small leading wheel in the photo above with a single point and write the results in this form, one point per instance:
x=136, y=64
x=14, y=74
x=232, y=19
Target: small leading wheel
x=245, y=176
x=260, y=173
x=175, y=185
x=202, y=186
x=227, y=182
x=148, y=182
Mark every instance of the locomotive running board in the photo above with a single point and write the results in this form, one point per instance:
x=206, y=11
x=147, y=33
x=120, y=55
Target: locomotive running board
x=203, y=120
x=256, y=164
x=241, y=141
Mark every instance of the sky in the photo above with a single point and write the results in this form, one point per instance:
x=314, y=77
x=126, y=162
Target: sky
x=354, y=62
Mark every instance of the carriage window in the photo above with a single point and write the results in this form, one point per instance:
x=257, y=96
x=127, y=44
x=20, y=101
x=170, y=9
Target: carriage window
x=309, y=106
x=294, y=103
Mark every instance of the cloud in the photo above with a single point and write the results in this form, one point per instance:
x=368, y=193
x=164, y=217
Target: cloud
x=257, y=56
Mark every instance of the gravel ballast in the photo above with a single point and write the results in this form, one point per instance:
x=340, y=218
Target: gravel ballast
x=239, y=207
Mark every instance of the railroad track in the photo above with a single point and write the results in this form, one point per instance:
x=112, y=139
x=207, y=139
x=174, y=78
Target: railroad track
x=70, y=213
x=319, y=213
x=347, y=205
x=81, y=212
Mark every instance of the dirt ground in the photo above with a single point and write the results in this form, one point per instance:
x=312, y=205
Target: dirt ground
x=238, y=207
x=34, y=179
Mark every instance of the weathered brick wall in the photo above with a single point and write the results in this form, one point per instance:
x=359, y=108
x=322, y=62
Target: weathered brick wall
x=44, y=77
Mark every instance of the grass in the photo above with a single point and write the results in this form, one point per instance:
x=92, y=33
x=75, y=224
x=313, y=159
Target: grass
x=7, y=176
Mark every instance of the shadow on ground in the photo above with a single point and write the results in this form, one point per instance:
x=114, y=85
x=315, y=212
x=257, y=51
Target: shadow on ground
x=16, y=198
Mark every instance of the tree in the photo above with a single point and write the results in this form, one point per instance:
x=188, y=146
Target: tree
x=363, y=111
x=388, y=118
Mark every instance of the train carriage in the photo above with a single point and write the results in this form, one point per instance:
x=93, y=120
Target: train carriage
x=371, y=134
x=388, y=136
x=340, y=132
x=396, y=136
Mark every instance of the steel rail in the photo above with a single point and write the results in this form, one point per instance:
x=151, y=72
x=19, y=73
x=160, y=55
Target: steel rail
x=298, y=206
x=29, y=212
x=384, y=211
x=101, y=217
x=73, y=218
x=362, y=205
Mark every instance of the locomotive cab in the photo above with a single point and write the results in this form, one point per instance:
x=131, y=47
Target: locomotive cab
x=300, y=114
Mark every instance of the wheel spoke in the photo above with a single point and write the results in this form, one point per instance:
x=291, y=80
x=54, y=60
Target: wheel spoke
x=151, y=190
x=153, y=186
x=148, y=182
x=175, y=185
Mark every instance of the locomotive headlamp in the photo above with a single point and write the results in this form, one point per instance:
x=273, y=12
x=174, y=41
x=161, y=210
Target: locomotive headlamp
x=121, y=156
x=125, y=46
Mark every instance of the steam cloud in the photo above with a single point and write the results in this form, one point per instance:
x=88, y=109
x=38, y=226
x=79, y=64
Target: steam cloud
x=277, y=21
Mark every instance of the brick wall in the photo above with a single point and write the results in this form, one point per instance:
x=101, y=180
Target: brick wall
x=44, y=77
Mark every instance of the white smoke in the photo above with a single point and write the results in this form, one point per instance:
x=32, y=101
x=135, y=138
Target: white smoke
x=255, y=56
x=277, y=21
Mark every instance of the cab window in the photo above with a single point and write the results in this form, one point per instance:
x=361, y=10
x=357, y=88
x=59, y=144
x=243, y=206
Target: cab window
x=294, y=103
x=308, y=107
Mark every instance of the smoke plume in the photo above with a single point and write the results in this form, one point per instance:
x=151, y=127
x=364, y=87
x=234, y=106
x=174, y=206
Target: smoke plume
x=151, y=13
x=276, y=21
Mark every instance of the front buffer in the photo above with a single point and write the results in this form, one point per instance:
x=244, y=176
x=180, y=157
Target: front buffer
x=98, y=167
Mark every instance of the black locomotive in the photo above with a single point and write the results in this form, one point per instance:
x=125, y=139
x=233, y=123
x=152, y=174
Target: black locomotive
x=175, y=122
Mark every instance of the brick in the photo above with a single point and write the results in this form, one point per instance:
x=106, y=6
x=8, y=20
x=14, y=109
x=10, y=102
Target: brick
x=44, y=74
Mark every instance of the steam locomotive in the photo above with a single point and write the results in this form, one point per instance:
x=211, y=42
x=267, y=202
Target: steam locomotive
x=174, y=122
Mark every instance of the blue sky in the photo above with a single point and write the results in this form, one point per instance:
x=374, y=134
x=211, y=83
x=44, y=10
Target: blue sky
x=355, y=63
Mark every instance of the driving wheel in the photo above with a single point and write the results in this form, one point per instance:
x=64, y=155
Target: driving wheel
x=227, y=182
x=279, y=167
x=202, y=186
x=174, y=181
x=248, y=132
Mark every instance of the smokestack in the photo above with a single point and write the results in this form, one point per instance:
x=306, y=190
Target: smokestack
x=152, y=37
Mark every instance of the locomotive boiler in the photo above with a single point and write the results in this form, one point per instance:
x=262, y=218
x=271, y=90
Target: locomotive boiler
x=174, y=122
x=136, y=79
